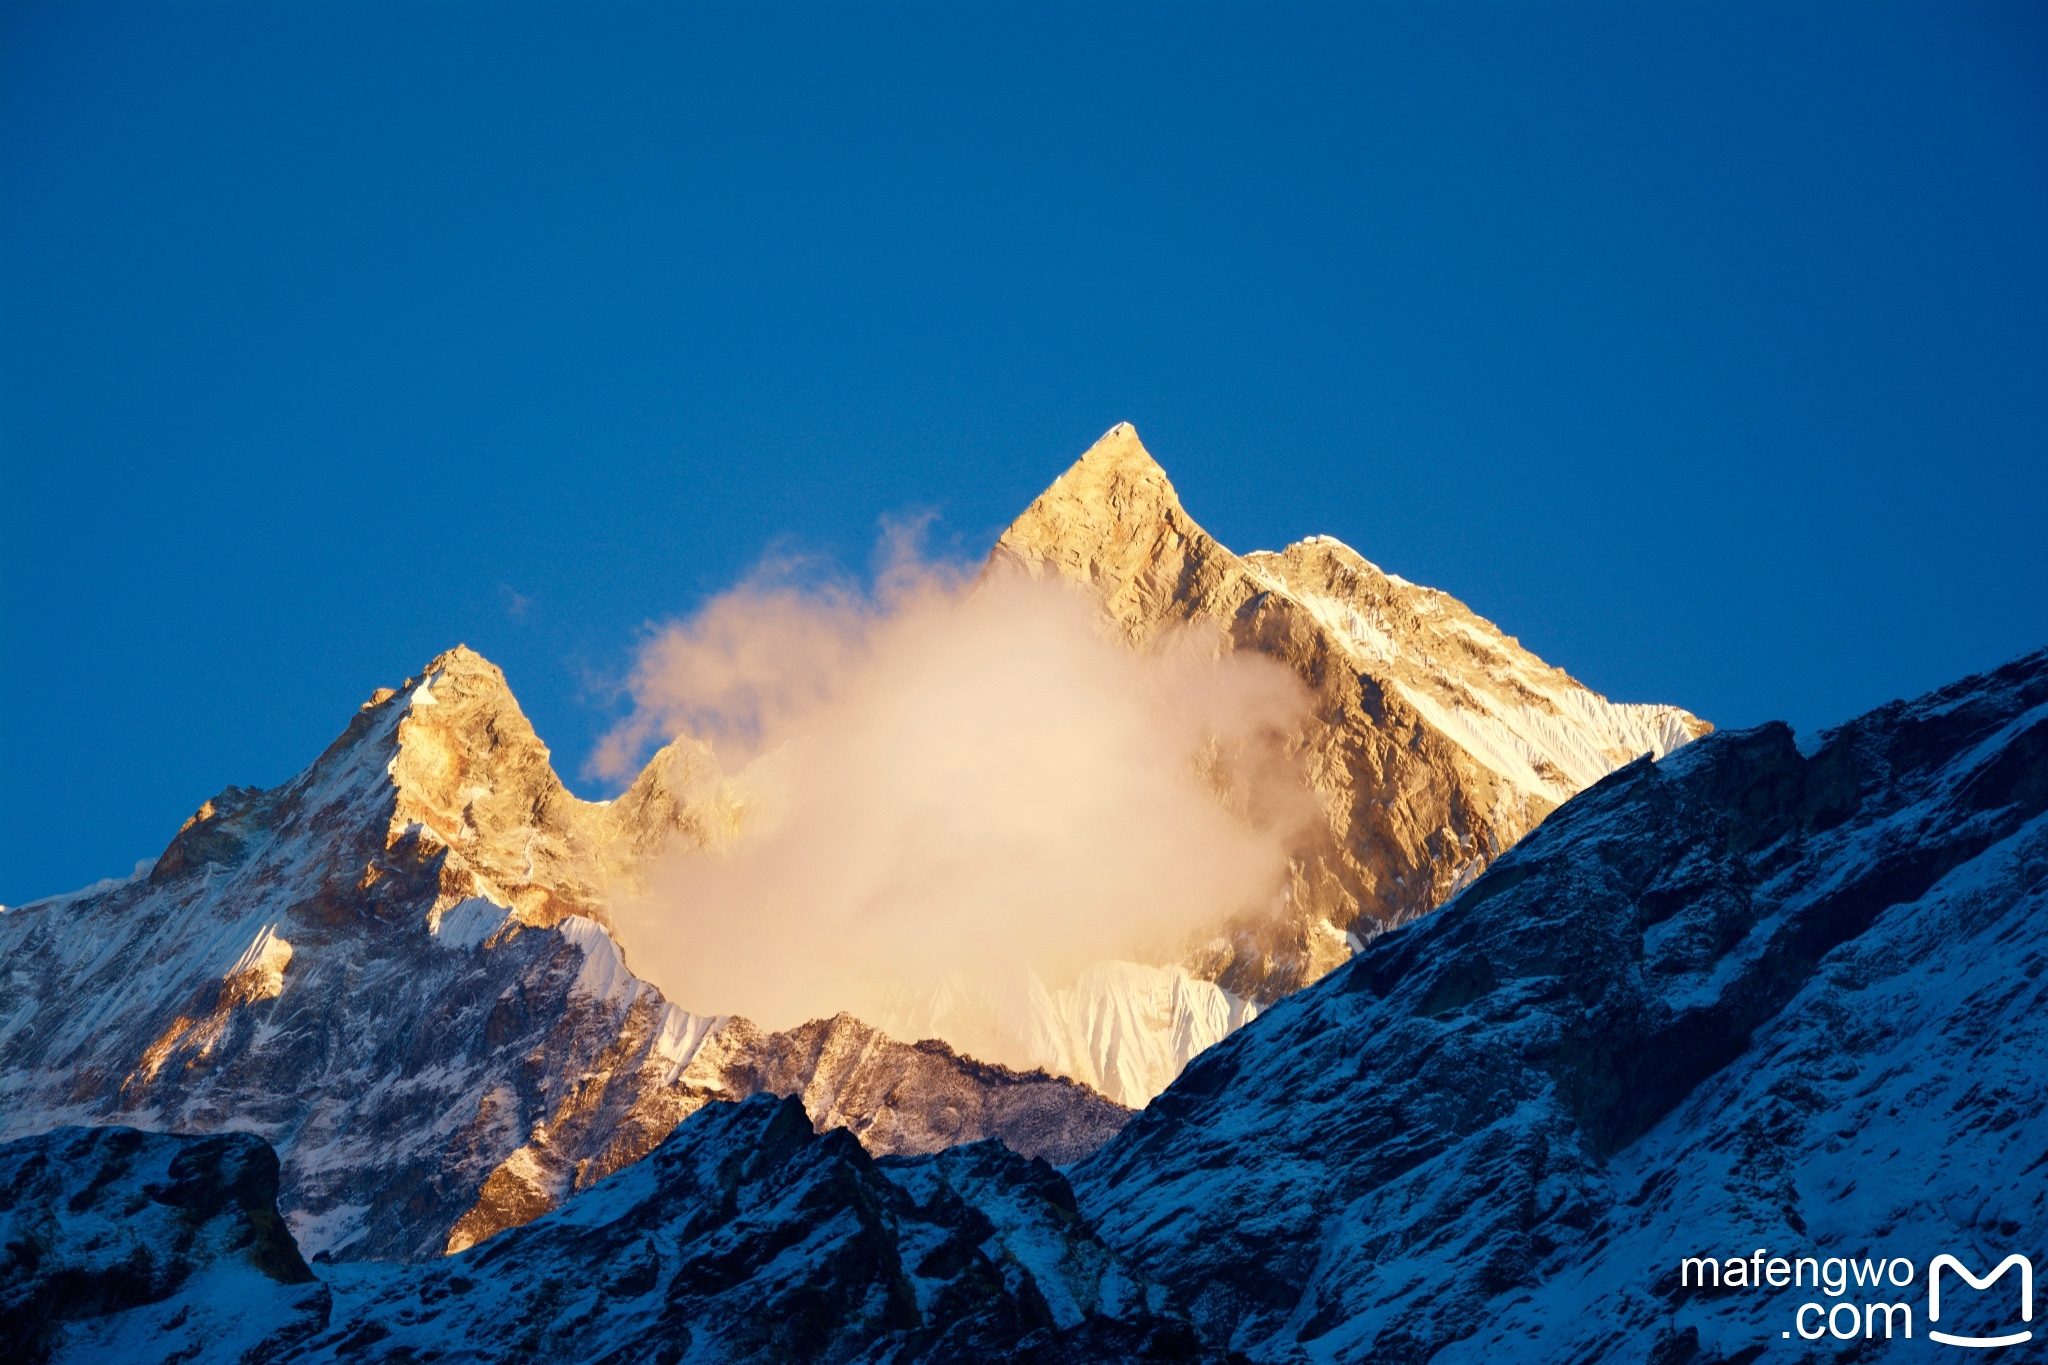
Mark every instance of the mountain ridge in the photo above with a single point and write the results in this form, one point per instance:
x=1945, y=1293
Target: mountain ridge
x=409, y=939
x=1741, y=997
x=412, y=937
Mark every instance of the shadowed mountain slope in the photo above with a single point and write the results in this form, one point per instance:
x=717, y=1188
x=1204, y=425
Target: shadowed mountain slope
x=744, y=1237
x=1742, y=998
x=135, y=1246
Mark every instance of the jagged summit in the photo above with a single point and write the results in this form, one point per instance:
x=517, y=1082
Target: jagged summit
x=1119, y=450
x=1436, y=740
x=1108, y=519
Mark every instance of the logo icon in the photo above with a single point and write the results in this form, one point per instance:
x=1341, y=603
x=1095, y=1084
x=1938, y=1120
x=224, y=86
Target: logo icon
x=2026, y=1268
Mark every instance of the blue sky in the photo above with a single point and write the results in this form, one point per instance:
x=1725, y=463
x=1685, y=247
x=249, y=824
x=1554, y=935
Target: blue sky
x=1705, y=348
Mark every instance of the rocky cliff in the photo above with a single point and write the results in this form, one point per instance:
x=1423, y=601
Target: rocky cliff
x=744, y=1237
x=133, y=1246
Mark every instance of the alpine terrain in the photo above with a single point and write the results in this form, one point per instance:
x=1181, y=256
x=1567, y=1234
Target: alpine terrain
x=1434, y=744
x=1746, y=998
x=396, y=968
x=1751, y=1000
x=399, y=968
x=374, y=1025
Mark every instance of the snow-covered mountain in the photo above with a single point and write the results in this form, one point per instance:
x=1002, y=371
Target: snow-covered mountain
x=399, y=967
x=1745, y=1000
x=396, y=968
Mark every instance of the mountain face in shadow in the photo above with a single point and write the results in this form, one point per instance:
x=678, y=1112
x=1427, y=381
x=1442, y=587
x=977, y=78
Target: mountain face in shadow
x=1742, y=998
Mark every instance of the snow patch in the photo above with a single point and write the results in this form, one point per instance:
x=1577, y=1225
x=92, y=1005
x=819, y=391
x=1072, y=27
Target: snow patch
x=466, y=924
x=327, y=1230
x=605, y=975
x=1553, y=752
x=682, y=1035
x=1125, y=1028
x=259, y=971
x=1128, y=1029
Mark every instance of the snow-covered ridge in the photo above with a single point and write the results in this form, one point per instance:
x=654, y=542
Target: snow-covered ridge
x=1124, y=1028
x=1527, y=721
x=1128, y=1029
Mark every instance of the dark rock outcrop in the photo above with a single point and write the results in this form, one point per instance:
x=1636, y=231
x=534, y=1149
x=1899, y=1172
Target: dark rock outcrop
x=178, y=1238
x=746, y=1236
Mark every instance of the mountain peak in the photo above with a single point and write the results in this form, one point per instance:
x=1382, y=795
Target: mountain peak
x=1119, y=443
x=1118, y=469
x=1112, y=522
x=462, y=659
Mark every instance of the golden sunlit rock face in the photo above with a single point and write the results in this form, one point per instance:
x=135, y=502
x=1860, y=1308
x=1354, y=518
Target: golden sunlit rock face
x=1435, y=740
x=471, y=775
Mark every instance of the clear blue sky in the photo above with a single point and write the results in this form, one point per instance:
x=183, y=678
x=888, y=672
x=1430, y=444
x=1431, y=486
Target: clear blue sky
x=1705, y=348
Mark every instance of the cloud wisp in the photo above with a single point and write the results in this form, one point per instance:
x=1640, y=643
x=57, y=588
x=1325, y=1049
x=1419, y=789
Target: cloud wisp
x=951, y=783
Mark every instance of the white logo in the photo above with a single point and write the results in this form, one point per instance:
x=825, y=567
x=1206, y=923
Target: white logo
x=2026, y=1298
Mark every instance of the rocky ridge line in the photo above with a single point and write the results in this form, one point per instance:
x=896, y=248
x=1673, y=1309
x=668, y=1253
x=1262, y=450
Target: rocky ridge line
x=744, y=1237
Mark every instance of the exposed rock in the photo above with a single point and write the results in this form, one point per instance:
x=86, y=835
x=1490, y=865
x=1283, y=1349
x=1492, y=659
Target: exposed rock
x=908, y=1099
x=1740, y=998
x=896, y=1098
x=747, y=1237
x=744, y=1237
